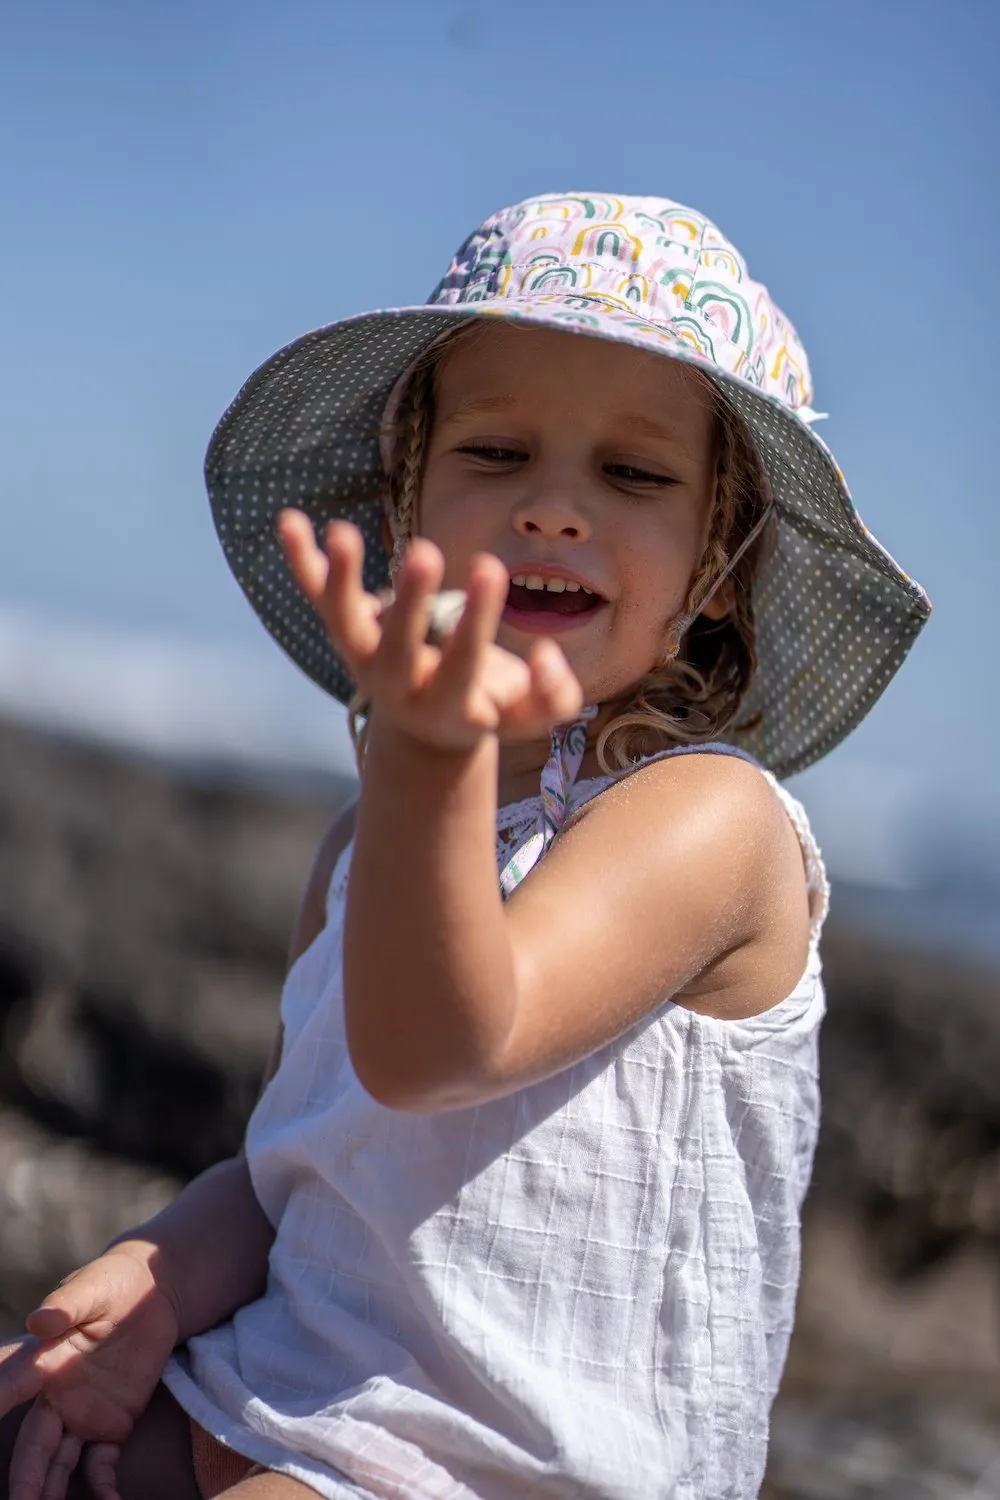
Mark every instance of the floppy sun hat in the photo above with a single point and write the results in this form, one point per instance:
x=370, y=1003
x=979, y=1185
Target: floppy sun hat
x=835, y=615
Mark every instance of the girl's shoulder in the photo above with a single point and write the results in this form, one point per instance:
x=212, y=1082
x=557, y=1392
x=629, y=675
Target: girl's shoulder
x=701, y=853
x=682, y=882
x=741, y=788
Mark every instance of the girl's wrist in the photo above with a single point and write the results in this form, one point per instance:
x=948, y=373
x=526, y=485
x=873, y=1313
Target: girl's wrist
x=394, y=751
x=153, y=1256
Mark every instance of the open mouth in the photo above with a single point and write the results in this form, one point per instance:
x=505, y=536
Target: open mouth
x=546, y=603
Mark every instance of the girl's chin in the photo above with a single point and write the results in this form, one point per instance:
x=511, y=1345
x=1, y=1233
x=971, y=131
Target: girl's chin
x=599, y=682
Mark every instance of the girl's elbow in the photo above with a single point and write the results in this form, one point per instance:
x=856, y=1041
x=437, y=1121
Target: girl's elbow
x=414, y=1079
x=411, y=1095
x=443, y=1051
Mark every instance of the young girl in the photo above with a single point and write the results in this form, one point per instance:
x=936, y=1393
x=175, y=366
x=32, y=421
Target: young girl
x=518, y=1213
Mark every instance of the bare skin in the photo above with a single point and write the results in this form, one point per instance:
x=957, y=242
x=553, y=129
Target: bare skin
x=684, y=880
x=588, y=457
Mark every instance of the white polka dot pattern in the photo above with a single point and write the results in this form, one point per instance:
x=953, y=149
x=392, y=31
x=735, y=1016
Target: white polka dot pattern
x=835, y=614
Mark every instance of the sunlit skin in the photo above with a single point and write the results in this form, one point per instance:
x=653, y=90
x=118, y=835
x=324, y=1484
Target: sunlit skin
x=582, y=454
x=586, y=456
x=549, y=452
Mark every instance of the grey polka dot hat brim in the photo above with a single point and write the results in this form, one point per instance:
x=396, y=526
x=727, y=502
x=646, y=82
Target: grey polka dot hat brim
x=835, y=614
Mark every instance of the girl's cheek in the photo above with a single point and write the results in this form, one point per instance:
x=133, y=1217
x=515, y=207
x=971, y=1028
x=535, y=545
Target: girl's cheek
x=451, y=533
x=459, y=521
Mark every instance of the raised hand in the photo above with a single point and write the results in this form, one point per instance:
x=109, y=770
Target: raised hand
x=93, y=1356
x=448, y=696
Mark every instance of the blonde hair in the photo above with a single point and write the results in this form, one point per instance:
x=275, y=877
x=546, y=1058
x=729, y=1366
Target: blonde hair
x=696, y=694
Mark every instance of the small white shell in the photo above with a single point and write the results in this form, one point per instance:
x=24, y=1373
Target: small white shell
x=445, y=610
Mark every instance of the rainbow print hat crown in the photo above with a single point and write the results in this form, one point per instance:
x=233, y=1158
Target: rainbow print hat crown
x=835, y=614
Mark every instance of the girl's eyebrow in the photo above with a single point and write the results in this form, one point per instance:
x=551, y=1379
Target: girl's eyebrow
x=627, y=421
x=645, y=427
x=477, y=406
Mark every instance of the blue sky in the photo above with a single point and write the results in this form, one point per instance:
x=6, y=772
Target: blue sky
x=187, y=186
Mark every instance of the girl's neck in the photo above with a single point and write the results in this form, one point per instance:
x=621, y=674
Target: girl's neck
x=521, y=765
x=520, y=771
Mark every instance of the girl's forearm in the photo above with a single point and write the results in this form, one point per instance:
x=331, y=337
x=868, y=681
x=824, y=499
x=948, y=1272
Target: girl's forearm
x=208, y=1249
x=428, y=968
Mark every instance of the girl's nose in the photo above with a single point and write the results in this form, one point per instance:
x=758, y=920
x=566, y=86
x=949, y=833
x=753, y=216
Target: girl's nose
x=551, y=514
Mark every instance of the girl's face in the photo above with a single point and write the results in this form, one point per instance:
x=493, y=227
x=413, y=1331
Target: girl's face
x=582, y=465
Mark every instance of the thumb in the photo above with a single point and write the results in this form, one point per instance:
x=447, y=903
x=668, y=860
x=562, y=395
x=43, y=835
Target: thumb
x=70, y=1305
x=48, y=1322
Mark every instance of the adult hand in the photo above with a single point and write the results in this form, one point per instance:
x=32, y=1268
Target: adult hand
x=447, y=697
x=93, y=1356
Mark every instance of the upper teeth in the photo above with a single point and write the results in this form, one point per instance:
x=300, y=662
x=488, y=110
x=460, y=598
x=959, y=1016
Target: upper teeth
x=554, y=585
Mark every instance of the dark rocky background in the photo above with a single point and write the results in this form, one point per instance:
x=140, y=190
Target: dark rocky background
x=144, y=917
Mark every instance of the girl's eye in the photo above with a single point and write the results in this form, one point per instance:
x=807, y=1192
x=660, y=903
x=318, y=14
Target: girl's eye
x=493, y=453
x=632, y=474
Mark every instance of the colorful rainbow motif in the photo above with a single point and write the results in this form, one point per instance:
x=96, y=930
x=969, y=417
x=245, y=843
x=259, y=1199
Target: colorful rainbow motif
x=835, y=615
x=566, y=749
x=586, y=257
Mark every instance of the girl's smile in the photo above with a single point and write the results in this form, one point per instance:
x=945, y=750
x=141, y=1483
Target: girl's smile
x=587, y=468
x=544, y=599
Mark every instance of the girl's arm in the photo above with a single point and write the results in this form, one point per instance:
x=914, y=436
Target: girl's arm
x=684, y=881
x=206, y=1251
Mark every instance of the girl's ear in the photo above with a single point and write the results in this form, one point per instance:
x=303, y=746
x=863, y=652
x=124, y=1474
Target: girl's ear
x=722, y=601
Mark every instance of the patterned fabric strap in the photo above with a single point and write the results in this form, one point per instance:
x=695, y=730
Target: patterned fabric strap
x=567, y=746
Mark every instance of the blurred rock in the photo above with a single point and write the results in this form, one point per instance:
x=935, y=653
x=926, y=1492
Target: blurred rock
x=144, y=922
x=60, y=1203
x=144, y=918
x=928, y=1445
x=911, y=1099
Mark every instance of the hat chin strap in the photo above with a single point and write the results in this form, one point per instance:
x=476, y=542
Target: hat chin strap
x=681, y=624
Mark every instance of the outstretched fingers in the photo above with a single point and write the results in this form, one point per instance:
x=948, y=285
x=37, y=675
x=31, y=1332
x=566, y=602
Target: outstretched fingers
x=500, y=690
x=469, y=685
x=555, y=687
x=487, y=594
x=473, y=670
x=309, y=566
x=330, y=577
x=402, y=655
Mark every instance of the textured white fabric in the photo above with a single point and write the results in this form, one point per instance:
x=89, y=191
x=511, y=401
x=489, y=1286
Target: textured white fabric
x=584, y=1289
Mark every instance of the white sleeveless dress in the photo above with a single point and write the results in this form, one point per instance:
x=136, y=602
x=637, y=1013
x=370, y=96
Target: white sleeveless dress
x=584, y=1289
